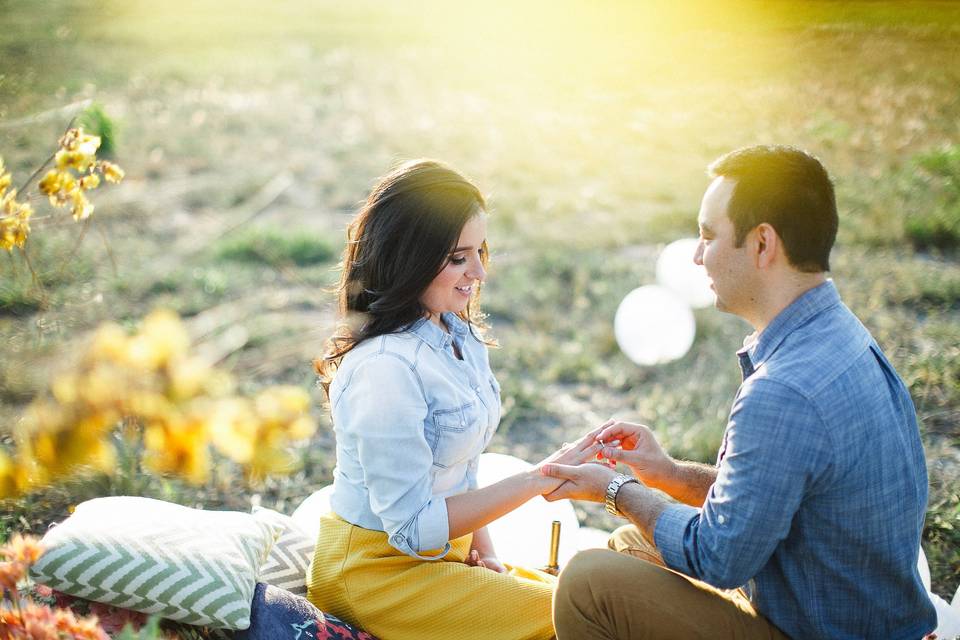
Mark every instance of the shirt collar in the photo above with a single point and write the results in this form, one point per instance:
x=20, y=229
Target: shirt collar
x=436, y=337
x=797, y=313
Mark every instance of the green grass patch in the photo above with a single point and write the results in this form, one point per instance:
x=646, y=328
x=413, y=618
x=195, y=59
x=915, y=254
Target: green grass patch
x=277, y=248
x=96, y=121
x=58, y=263
x=936, y=223
x=941, y=536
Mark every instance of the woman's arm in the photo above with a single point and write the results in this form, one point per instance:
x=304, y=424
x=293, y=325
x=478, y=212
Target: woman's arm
x=470, y=511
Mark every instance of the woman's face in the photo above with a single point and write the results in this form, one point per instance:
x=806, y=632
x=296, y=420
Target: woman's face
x=453, y=286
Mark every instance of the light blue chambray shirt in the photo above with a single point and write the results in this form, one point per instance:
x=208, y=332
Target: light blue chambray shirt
x=821, y=489
x=411, y=421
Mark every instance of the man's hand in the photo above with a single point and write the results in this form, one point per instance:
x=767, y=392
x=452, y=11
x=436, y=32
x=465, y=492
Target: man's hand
x=639, y=450
x=585, y=482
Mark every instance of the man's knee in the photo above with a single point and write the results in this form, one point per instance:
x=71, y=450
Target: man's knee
x=630, y=541
x=578, y=572
x=574, y=602
x=604, y=594
x=625, y=537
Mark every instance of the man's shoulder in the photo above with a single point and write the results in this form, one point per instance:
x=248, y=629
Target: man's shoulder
x=815, y=354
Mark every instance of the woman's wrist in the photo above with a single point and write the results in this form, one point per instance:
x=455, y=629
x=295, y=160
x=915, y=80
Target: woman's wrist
x=536, y=483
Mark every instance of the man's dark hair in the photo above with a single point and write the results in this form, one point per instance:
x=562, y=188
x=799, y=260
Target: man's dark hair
x=788, y=189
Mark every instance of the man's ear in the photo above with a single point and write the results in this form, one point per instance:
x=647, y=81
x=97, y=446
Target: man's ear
x=766, y=245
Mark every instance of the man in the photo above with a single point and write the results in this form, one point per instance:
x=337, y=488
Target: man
x=809, y=525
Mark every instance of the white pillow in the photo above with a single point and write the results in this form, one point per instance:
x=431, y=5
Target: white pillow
x=289, y=559
x=193, y=566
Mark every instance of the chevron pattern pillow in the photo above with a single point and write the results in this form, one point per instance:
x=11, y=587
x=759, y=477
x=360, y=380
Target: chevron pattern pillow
x=193, y=566
x=286, y=566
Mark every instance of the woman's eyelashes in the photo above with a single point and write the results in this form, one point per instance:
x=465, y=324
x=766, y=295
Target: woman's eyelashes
x=462, y=259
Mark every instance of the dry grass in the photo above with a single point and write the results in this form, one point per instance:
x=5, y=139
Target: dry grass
x=590, y=127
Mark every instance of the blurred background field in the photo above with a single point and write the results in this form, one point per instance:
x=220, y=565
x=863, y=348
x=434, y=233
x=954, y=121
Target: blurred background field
x=250, y=130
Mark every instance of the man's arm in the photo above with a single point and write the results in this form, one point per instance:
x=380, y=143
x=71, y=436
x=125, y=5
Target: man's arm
x=691, y=483
x=637, y=447
x=775, y=450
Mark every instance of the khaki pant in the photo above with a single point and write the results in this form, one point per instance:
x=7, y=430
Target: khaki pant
x=627, y=594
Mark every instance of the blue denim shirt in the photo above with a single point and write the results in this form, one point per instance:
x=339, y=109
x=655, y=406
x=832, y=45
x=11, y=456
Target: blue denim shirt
x=821, y=489
x=411, y=421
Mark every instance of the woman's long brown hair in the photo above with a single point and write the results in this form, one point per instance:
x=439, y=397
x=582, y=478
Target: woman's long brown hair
x=396, y=245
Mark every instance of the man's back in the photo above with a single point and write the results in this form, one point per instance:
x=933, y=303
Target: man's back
x=847, y=564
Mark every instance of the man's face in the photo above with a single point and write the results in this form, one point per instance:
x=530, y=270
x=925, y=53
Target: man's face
x=732, y=272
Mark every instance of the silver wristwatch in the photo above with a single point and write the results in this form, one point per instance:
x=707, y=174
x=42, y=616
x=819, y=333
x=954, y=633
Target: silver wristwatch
x=613, y=489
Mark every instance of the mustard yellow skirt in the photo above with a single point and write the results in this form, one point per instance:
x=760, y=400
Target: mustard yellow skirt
x=357, y=576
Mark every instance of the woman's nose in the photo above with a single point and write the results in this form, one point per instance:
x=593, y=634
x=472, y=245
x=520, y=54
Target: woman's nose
x=477, y=272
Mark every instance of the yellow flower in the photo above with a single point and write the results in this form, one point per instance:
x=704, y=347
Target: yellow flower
x=77, y=150
x=162, y=338
x=14, y=222
x=111, y=172
x=5, y=179
x=283, y=408
x=90, y=181
x=188, y=378
x=51, y=183
x=76, y=160
x=271, y=460
x=8, y=233
x=70, y=139
x=233, y=429
x=81, y=206
x=178, y=445
x=66, y=187
x=102, y=386
x=8, y=476
x=101, y=456
x=88, y=144
x=109, y=343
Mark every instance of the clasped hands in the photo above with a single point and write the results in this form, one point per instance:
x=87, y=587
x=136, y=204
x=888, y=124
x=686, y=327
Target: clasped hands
x=579, y=470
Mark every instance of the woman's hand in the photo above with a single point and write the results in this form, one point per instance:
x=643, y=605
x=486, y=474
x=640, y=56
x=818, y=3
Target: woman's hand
x=482, y=553
x=570, y=454
x=485, y=562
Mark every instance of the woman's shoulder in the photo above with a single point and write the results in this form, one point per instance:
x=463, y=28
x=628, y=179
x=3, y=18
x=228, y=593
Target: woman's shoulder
x=387, y=351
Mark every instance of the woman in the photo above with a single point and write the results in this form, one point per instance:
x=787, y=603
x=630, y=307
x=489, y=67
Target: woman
x=405, y=553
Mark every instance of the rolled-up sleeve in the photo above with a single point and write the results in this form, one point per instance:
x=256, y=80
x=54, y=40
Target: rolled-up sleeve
x=776, y=448
x=383, y=408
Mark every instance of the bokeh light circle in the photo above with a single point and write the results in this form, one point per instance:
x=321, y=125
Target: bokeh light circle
x=676, y=271
x=653, y=325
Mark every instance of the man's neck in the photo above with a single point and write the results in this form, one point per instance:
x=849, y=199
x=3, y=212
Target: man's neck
x=781, y=295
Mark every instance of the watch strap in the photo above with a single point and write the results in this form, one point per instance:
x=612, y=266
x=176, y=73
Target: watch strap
x=610, y=499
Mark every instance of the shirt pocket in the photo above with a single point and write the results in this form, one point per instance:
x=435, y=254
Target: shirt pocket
x=458, y=434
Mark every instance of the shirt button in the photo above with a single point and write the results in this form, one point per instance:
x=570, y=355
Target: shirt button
x=721, y=519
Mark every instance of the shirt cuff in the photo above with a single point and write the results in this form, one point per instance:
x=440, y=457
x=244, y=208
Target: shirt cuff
x=669, y=535
x=431, y=529
x=472, y=466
